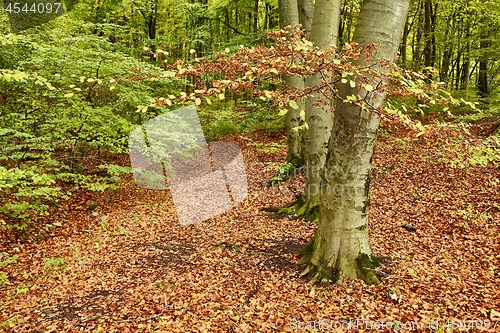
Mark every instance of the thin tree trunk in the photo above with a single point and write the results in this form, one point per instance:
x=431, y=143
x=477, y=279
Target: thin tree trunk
x=256, y=16
x=466, y=69
x=483, y=79
x=404, y=44
x=446, y=58
x=340, y=249
x=152, y=28
x=417, y=40
x=428, y=33
x=484, y=76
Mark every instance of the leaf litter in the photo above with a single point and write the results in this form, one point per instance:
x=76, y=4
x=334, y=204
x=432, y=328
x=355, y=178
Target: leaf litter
x=128, y=266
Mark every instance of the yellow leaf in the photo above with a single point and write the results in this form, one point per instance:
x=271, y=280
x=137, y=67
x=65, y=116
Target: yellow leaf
x=197, y=101
x=302, y=115
x=352, y=83
x=368, y=87
x=222, y=96
x=69, y=95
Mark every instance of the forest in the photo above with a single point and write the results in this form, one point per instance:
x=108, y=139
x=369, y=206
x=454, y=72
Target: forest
x=249, y=166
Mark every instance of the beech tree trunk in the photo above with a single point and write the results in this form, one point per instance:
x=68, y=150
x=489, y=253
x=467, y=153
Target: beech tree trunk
x=319, y=118
x=289, y=15
x=341, y=248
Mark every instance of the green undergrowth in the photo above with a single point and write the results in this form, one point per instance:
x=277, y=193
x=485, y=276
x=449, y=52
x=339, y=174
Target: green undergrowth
x=230, y=117
x=68, y=102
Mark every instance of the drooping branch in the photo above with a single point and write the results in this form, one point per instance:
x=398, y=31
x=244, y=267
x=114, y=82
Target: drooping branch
x=257, y=69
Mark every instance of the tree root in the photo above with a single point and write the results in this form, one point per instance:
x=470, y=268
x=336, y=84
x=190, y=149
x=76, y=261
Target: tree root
x=298, y=208
x=364, y=263
x=302, y=208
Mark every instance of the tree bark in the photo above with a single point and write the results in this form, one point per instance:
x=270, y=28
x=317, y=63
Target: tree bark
x=306, y=15
x=341, y=249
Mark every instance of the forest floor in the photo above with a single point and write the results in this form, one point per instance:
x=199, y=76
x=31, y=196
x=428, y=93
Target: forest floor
x=128, y=266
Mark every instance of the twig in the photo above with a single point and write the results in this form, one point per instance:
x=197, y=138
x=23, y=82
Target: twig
x=395, y=277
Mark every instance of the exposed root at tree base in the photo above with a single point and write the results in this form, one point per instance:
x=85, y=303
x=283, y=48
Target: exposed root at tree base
x=302, y=208
x=363, y=267
x=298, y=208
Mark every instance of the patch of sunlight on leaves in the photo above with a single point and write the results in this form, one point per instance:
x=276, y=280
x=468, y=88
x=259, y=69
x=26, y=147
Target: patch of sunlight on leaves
x=477, y=154
x=470, y=215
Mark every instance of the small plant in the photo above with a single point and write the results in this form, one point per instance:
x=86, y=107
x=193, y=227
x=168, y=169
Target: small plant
x=8, y=260
x=403, y=143
x=22, y=289
x=104, y=224
x=53, y=264
x=9, y=323
x=416, y=197
x=470, y=215
x=4, y=278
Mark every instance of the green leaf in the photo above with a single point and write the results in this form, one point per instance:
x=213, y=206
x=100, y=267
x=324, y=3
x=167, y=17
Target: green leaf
x=294, y=105
x=282, y=112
